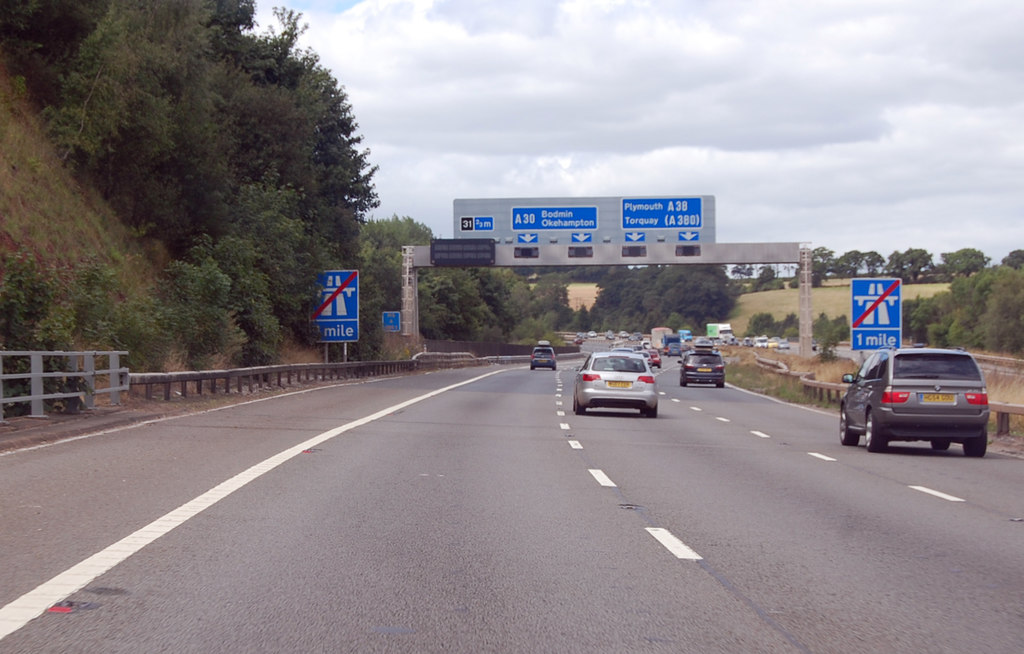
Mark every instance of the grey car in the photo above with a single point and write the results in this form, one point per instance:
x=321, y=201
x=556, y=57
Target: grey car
x=618, y=380
x=916, y=394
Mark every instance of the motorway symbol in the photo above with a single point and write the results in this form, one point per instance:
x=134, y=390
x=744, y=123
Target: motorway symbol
x=877, y=313
x=689, y=236
x=583, y=238
x=636, y=237
x=337, y=316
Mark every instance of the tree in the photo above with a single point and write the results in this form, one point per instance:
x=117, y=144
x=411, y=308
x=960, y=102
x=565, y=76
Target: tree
x=909, y=265
x=964, y=262
x=849, y=264
x=873, y=263
x=822, y=265
x=1015, y=259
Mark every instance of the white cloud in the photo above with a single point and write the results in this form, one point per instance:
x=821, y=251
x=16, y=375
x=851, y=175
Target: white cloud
x=851, y=124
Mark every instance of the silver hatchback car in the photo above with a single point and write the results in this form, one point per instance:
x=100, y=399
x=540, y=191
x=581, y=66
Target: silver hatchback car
x=620, y=380
x=916, y=394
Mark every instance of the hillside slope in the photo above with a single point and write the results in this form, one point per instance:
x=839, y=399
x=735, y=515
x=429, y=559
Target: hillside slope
x=42, y=207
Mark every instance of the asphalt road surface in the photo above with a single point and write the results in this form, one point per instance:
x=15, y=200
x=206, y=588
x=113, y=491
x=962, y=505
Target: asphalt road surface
x=471, y=511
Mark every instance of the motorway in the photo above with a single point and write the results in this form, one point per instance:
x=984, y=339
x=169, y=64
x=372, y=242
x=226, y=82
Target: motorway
x=471, y=511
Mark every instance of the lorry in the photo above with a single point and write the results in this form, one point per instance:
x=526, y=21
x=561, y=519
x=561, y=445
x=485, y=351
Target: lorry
x=686, y=335
x=658, y=335
x=673, y=345
x=721, y=331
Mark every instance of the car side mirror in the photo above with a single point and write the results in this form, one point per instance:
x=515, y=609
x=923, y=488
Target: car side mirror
x=848, y=378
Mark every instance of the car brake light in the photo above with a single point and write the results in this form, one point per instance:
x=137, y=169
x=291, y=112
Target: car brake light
x=895, y=397
x=589, y=376
x=647, y=379
x=977, y=398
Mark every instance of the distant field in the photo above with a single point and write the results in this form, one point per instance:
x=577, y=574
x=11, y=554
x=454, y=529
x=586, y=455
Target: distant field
x=582, y=295
x=833, y=301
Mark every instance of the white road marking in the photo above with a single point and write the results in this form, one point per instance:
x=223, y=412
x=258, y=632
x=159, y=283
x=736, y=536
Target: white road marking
x=696, y=408
x=760, y=434
x=602, y=478
x=939, y=494
x=565, y=426
x=676, y=399
x=821, y=456
x=575, y=445
x=680, y=549
x=34, y=603
x=560, y=414
x=558, y=395
x=721, y=419
x=558, y=403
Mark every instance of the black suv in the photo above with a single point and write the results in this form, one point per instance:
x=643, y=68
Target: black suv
x=916, y=394
x=543, y=357
x=702, y=366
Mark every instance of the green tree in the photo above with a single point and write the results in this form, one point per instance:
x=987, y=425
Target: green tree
x=1015, y=259
x=964, y=262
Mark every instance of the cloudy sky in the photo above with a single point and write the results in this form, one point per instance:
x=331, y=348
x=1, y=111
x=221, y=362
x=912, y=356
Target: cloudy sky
x=848, y=124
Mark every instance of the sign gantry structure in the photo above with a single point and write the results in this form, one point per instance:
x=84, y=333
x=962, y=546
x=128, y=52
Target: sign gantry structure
x=593, y=231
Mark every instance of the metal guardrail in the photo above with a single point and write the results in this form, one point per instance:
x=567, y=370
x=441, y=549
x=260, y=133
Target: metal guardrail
x=832, y=392
x=250, y=379
x=80, y=381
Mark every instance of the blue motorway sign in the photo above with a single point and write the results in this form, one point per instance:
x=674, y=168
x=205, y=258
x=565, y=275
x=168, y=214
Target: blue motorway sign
x=554, y=218
x=586, y=237
x=636, y=237
x=689, y=236
x=476, y=223
x=662, y=213
x=527, y=238
x=877, y=313
x=392, y=321
x=337, y=315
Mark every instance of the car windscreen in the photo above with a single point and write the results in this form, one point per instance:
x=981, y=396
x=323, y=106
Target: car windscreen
x=935, y=366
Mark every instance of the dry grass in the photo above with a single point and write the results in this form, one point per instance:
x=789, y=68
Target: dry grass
x=832, y=300
x=582, y=295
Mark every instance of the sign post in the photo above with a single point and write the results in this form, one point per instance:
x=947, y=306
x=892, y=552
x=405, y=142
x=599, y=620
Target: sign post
x=877, y=313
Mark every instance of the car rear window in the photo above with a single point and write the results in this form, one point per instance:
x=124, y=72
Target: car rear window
x=935, y=366
x=543, y=352
x=620, y=364
x=706, y=359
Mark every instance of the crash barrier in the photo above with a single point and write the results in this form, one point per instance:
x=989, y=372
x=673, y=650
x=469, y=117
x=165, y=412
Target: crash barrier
x=257, y=377
x=832, y=392
x=41, y=378
x=482, y=350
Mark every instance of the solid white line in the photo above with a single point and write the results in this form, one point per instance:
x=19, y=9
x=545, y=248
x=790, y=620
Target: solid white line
x=821, y=456
x=760, y=434
x=34, y=603
x=575, y=445
x=951, y=498
x=564, y=426
x=680, y=549
x=602, y=478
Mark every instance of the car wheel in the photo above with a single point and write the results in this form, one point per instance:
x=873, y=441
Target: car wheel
x=576, y=408
x=682, y=381
x=650, y=413
x=875, y=441
x=940, y=444
x=975, y=447
x=720, y=384
x=846, y=435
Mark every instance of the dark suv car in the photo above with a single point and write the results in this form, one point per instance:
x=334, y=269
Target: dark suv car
x=543, y=357
x=702, y=366
x=916, y=394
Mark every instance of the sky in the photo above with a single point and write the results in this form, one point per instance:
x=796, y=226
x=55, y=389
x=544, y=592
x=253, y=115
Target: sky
x=872, y=125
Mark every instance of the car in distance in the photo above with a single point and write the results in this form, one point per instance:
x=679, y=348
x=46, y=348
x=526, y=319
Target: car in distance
x=916, y=394
x=617, y=380
x=702, y=365
x=655, y=358
x=543, y=356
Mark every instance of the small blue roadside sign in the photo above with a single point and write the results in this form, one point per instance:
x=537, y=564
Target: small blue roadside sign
x=337, y=315
x=877, y=313
x=392, y=321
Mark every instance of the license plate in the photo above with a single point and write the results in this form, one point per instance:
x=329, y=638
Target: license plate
x=620, y=384
x=703, y=369
x=937, y=398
